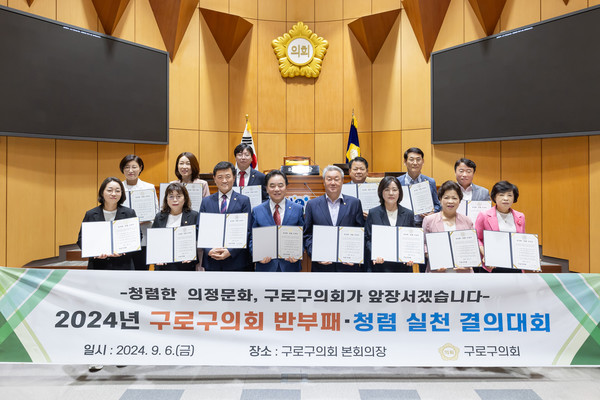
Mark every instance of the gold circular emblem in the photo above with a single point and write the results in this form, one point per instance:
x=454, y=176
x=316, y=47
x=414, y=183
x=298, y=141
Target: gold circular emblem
x=449, y=352
x=300, y=52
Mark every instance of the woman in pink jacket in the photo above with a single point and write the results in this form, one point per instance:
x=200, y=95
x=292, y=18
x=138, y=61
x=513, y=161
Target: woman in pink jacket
x=501, y=217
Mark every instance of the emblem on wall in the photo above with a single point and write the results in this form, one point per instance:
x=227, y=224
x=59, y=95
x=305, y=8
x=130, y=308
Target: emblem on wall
x=300, y=52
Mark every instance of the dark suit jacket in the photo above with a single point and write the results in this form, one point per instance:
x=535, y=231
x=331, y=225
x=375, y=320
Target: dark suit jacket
x=123, y=262
x=378, y=216
x=189, y=217
x=240, y=259
x=256, y=178
x=317, y=213
x=261, y=216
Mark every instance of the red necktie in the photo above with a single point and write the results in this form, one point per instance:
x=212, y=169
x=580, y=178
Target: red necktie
x=276, y=215
x=242, y=180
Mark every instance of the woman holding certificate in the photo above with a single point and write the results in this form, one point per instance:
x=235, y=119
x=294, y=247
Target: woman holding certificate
x=176, y=211
x=448, y=219
x=389, y=213
x=187, y=171
x=132, y=166
x=501, y=217
x=111, y=196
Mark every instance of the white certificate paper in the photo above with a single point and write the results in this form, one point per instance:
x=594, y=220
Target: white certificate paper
x=264, y=242
x=526, y=251
x=496, y=249
x=211, y=230
x=290, y=242
x=350, y=189
x=420, y=195
x=351, y=245
x=384, y=242
x=367, y=194
x=95, y=239
x=159, y=248
x=324, y=245
x=236, y=231
x=126, y=235
x=475, y=207
x=465, y=248
x=142, y=201
x=254, y=192
x=184, y=243
x=439, y=250
x=411, y=245
x=195, y=192
x=406, y=198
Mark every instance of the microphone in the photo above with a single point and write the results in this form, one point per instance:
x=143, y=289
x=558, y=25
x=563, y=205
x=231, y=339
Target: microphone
x=308, y=187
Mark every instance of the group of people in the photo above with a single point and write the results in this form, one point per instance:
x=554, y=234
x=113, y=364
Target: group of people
x=331, y=209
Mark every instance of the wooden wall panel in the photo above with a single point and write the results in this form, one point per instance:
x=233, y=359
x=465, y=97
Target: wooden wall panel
x=594, y=196
x=517, y=13
x=243, y=77
x=4, y=3
x=244, y=8
x=43, y=8
x=180, y=141
x=214, y=83
x=301, y=10
x=329, y=86
x=329, y=149
x=416, y=85
x=551, y=8
x=444, y=157
x=487, y=157
x=3, y=200
x=473, y=28
x=379, y=6
x=272, y=88
x=214, y=148
x=30, y=164
x=235, y=138
x=300, y=144
x=356, y=8
x=357, y=81
x=452, y=30
x=272, y=10
x=566, y=224
x=155, y=162
x=125, y=28
x=77, y=12
x=109, y=157
x=271, y=150
x=522, y=165
x=387, y=84
x=593, y=3
x=183, y=80
x=146, y=28
x=217, y=5
x=365, y=140
x=300, y=105
x=328, y=10
x=387, y=150
x=76, y=189
x=420, y=138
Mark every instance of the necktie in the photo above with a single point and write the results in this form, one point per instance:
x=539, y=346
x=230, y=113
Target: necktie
x=224, y=204
x=242, y=180
x=276, y=215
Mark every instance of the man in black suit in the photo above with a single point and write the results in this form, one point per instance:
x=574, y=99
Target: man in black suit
x=225, y=200
x=246, y=175
x=334, y=210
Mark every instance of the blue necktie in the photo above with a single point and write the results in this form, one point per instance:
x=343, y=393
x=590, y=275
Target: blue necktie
x=224, y=204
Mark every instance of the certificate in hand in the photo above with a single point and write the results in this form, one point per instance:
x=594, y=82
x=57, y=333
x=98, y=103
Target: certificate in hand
x=420, y=196
x=351, y=245
x=367, y=194
x=110, y=237
x=142, y=201
x=511, y=250
x=324, y=247
x=290, y=242
x=168, y=245
x=350, y=189
x=411, y=245
x=253, y=192
x=472, y=208
x=223, y=230
x=338, y=244
x=264, y=242
x=455, y=249
x=195, y=192
x=277, y=242
x=384, y=242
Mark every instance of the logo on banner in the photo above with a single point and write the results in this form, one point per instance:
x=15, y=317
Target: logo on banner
x=449, y=352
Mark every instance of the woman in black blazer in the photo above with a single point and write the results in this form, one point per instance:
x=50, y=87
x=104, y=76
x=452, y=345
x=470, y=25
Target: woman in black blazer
x=390, y=196
x=110, y=196
x=176, y=211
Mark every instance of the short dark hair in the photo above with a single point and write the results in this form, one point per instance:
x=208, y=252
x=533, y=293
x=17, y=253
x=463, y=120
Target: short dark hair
x=359, y=159
x=193, y=163
x=467, y=162
x=274, y=173
x=241, y=147
x=447, y=186
x=413, y=150
x=503, y=187
x=127, y=159
x=223, y=165
x=178, y=188
x=103, y=186
x=384, y=184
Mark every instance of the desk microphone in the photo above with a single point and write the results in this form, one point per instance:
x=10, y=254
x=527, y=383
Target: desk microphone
x=308, y=187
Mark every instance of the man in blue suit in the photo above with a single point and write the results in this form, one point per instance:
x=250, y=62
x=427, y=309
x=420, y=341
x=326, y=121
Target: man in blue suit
x=277, y=211
x=225, y=200
x=334, y=210
x=246, y=175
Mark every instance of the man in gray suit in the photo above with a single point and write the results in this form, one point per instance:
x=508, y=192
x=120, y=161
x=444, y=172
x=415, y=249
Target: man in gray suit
x=465, y=170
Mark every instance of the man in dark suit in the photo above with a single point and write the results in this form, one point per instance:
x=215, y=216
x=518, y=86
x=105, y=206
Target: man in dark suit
x=465, y=171
x=225, y=200
x=277, y=211
x=246, y=175
x=334, y=210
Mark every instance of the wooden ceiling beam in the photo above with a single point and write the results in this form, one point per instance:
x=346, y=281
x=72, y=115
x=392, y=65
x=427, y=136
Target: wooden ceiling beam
x=228, y=30
x=110, y=13
x=488, y=13
x=426, y=18
x=173, y=18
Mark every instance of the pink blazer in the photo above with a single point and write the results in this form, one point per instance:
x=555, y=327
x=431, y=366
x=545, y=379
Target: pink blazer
x=434, y=223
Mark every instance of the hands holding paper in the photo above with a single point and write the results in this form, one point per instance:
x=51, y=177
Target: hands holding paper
x=105, y=256
x=219, y=253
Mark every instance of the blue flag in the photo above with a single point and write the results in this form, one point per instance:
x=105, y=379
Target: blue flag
x=353, y=149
